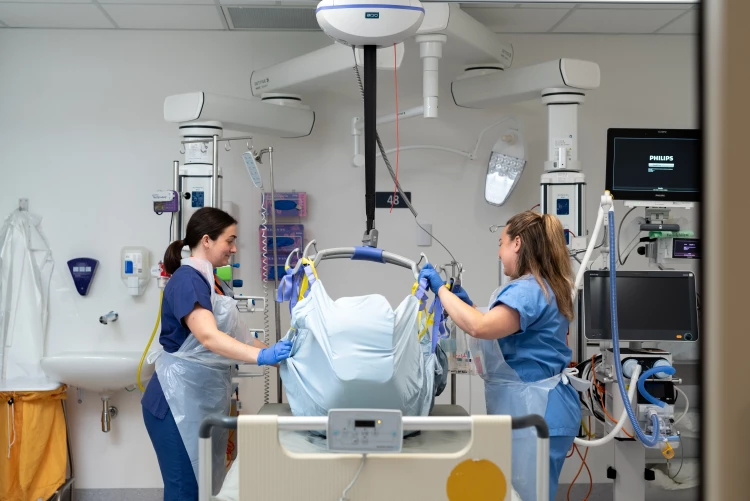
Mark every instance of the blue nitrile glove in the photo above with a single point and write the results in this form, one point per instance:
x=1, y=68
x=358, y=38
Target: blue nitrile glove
x=463, y=295
x=432, y=276
x=275, y=354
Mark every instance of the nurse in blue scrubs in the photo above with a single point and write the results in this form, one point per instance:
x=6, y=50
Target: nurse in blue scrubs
x=187, y=309
x=523, y=338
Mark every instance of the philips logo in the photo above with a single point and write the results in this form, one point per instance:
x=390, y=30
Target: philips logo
x=668, y=158
x=372, y=15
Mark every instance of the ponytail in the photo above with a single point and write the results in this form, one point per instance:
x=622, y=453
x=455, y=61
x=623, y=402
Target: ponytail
x=173, y=256
x=559, y=270
x=544, y=254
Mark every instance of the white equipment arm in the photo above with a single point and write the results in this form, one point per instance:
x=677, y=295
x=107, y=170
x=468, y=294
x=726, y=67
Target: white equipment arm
x=251, y=116
x=318, y=69
x=504, y=87
x=466, y=40
x=469, y=41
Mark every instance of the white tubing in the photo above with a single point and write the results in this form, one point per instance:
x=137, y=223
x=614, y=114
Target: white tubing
x=589, y=251
x=620, y=422
x=687, y=406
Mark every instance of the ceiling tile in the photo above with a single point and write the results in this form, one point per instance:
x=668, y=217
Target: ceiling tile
x=166, y=17
x=492, y=4
x=34, y=15
x=269, y=2
x=517, y=20
x=624, y=5
x=687, y=24
x=45, y=1
x=487, y=5
x=159, y=2
x=615, y=21
x=540, y=5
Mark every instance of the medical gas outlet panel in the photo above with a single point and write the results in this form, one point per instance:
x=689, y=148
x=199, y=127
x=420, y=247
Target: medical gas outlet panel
x=563, y=195
x=196, y=186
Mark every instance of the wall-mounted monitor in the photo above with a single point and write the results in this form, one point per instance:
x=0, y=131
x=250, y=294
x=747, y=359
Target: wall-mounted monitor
x=660, y=165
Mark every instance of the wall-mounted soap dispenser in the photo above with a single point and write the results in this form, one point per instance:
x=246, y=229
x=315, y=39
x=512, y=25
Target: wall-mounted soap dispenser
x=135, y=269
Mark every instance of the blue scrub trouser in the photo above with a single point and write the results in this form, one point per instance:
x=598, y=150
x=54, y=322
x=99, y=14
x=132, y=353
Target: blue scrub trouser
x=558, y=449
x=176, y=471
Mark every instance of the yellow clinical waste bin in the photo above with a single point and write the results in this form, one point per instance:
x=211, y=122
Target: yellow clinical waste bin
x=33, y=450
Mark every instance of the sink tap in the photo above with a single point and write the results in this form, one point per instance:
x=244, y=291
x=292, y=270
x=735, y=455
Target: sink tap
x=108, y=317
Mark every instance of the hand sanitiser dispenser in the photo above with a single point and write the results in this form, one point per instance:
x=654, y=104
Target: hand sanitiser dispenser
x=82, y=269
x=135, y=269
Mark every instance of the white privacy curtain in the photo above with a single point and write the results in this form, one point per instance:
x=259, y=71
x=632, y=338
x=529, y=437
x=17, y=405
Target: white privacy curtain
x=25, y=273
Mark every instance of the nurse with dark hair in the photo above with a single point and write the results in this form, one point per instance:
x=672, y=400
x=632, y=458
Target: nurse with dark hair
x=187, y=309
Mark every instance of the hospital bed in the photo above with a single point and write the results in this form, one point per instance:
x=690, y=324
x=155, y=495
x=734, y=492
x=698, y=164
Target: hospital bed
x=278, y=458
x=283, y=457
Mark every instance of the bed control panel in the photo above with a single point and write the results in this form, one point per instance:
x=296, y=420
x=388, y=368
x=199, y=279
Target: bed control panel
x=364, y=431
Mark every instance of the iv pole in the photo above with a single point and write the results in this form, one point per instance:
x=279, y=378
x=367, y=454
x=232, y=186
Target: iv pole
x=276, y=305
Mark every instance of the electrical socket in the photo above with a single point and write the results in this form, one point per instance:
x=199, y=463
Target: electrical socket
x=578, y=243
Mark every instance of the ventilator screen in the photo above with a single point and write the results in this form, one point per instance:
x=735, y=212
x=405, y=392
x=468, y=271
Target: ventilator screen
x=651, y=306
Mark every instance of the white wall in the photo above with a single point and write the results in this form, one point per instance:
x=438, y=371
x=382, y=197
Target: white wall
x=85, y=141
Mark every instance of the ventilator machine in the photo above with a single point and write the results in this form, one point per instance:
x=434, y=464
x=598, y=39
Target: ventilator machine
x=657, y=170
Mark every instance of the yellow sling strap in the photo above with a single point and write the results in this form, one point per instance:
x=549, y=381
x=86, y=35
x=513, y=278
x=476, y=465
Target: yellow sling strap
x=430, y=317
x=305, y=282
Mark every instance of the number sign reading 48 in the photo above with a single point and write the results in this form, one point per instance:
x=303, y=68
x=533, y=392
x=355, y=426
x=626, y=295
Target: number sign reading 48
x=386, y=199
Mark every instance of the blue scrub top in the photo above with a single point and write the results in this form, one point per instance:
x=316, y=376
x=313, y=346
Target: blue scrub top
x=186, y=288
x=539, y=351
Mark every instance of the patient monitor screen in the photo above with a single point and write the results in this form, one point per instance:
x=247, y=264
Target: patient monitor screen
x=651, y=306
x=644, y=166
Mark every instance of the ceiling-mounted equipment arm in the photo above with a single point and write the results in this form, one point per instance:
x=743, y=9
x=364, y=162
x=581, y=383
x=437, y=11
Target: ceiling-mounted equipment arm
x=561, y=84
x=286, y=118
x=318, y=69
x=480, y=89
x=469, y=41
x=445, y=28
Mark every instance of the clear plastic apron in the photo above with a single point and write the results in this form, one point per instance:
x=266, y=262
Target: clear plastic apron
x=198, y=383
x=507, y=394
